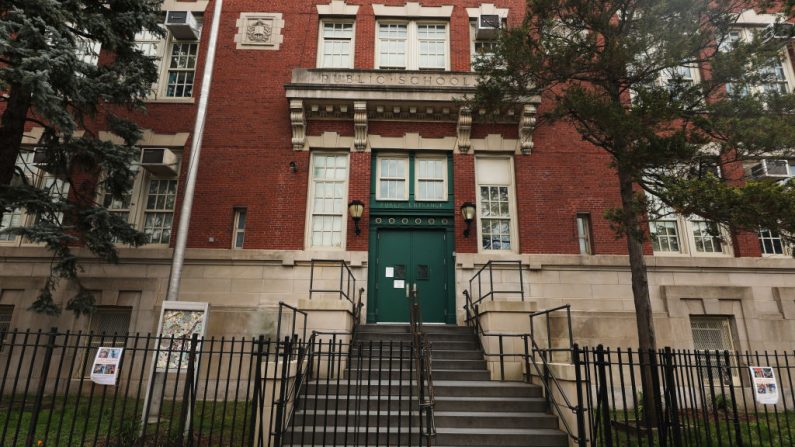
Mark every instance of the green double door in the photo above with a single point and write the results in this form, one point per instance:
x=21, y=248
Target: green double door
x=407, y=257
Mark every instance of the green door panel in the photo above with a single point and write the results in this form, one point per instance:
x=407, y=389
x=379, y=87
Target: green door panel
x=406, y=257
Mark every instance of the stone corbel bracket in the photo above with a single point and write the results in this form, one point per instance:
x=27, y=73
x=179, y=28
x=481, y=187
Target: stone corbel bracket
x=298, y=123
x=360, y=126
x=464, y=130
x=527, y=123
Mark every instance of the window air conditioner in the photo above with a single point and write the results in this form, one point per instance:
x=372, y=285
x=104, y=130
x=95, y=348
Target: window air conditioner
x=159, y=161
x=781, y=32
x=488, y=26
x=771, y=169
x=182, y=25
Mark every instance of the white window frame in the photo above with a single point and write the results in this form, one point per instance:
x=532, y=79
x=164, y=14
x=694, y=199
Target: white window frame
x=786, y=249
x=747, y=35
x=321, y=45
x=35, y=177
x=138, y=197
x=405, y=159
x=725, y=324
x=163, y=49
x=412, y=44
x=686, y=239
x=237, y=230
x=417, y=178
x=512, y=208
x=584, y=233
x=310, y=212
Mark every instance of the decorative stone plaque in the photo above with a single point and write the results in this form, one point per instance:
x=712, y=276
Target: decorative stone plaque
x=259, y=31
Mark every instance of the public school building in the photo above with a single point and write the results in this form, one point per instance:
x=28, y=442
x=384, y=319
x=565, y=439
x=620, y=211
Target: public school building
x=317, y=105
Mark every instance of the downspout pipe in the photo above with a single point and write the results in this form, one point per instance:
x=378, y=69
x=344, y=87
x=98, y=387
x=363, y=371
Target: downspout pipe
x=178, y=259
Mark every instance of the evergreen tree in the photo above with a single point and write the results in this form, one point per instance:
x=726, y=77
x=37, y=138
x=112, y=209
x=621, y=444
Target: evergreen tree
x=620, y=72
x=50, y=78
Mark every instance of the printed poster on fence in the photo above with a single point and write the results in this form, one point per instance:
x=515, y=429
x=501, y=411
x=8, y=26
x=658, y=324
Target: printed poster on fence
x=105, y=369
x=765, y=386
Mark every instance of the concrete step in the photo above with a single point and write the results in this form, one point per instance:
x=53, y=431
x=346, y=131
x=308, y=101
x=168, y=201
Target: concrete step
x=332, y=418
x=438, y=374
x=396, y=364
x=441, y=354
x=494, y=419
x=458, y=388
x=511, y=404
x=396, y=402
x=364, y=435
x=526, y=437
x=384, y=346
x=406, y=329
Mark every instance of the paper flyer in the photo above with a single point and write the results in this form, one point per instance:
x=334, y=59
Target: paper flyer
x=105, y=369
x=765, y=386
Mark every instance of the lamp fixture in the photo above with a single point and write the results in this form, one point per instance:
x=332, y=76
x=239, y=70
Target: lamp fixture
x=356, y=209
x=293, y=167
x=468, y=213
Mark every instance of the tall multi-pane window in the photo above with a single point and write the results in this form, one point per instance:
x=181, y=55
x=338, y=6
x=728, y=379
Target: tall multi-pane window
x=87, y=50
x=584, y=233
x=771, y=243
x=665, y=235
x=392, y=45
x=431, y=176
x=775, y=75
x=392, y=178
x=120, y=206
x=329, y=180
x=494, y=177
x=239, y=231
x=336, y=45
x=159, y=213
x=181, y=69
x=412, y=46
x=706, y=236
x=10, y=219
x=432, y=46
x=495, y=218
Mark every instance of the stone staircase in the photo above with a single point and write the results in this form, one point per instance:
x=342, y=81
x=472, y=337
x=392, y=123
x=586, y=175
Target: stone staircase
x=470, y=409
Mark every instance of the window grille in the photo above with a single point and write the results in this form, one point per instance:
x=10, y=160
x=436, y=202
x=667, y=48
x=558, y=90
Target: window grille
x=6, y=312
x=105, y=322
x=712, y=336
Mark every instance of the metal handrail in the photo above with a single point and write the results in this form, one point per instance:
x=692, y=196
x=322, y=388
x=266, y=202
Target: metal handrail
x=489, y=268
x=344, y=292
x=422, y=358
x=547, y=313
x=295, y=311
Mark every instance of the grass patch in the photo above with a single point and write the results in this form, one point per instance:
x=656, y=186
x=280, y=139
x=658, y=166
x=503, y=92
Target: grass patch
x=80, y=421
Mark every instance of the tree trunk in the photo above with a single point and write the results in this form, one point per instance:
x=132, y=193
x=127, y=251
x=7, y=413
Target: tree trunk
x=647, y=341
x=12, y=129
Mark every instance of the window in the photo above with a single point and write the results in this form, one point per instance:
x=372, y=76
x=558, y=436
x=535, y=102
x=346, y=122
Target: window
x=181, y=69
x=176, y=61
x=431, y=179
x=772, y=243
x=673, y=234
x=495, y=204
x=239, y=231
x=159, y=212
x=706, y=236
x=393, y=178
x=148, y=206
x=412, y=46
x=584, y=233
x=328, y=192
x=776, y=76
x=6, y=312
x=432, y=42
x=392, y=45
x=87, y=50
x=106, y=321
x=57, y=189
x=712, y=336
x=336, y=45
x=484, y=49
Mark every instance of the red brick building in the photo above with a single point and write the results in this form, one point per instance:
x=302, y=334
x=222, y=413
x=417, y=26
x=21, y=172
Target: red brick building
x=316, y=104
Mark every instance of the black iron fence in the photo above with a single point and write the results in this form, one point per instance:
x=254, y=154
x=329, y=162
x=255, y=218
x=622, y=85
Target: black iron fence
x=326, y=390
x=685, y=398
